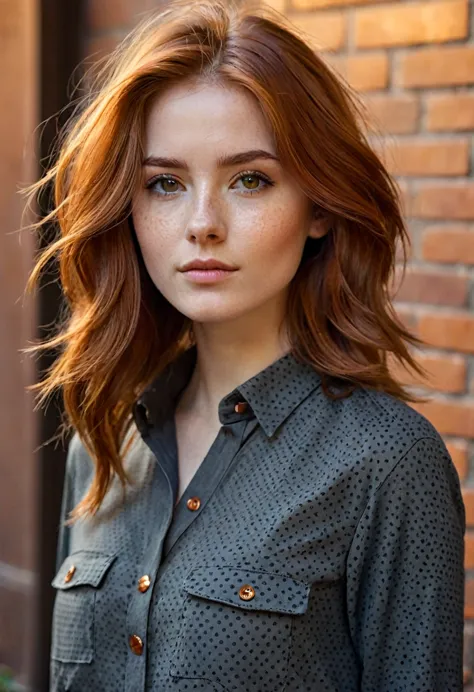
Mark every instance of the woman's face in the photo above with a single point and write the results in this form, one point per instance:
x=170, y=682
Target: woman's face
x=248, y=213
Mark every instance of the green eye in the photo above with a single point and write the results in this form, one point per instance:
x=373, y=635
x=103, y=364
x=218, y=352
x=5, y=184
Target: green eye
x=163, y=185
x=167, y=181
x=251, y=178
x=253, y=181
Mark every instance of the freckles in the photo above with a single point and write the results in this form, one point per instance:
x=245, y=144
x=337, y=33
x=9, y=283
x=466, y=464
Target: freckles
x=150, y=227
x=283, y=229
x=270, y=223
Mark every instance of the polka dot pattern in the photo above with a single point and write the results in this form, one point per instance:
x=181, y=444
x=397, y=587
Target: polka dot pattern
x=74, y=612
x=261, y=625
x=326, y=554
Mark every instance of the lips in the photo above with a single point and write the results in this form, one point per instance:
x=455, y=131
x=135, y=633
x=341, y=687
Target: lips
x=210, y=271
x=207, y=265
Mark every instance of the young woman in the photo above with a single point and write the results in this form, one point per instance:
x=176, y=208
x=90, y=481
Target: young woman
x=255, y=506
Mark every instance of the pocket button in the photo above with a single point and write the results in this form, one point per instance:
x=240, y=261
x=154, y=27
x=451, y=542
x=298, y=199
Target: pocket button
x=246, y=592
x=69, y=574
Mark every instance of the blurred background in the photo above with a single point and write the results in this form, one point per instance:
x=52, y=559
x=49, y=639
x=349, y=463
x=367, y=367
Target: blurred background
x=412, y=62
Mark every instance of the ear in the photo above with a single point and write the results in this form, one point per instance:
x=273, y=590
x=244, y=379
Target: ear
x=319, y=226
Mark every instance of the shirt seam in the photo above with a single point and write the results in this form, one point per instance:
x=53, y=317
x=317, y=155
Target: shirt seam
x=378, y=403
x=246, y=569
x=382, y=483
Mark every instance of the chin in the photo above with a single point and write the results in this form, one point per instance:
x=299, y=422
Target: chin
x=213, y=315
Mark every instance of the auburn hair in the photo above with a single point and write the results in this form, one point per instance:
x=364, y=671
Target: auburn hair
x=118, y=331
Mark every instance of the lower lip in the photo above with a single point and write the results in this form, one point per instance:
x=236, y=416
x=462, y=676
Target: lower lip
x=208, y=276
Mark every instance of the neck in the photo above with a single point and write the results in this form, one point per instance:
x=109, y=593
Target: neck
x=228, y=354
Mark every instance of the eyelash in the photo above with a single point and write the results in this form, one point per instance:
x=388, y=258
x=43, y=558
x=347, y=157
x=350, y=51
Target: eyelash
x=163, y=176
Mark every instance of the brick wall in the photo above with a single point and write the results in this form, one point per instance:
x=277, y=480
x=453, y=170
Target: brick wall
x=413, y=63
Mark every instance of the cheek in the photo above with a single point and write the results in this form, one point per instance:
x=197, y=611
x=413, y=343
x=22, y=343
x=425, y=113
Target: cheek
x=142, y=225
x=280, y=237
x=154, y=238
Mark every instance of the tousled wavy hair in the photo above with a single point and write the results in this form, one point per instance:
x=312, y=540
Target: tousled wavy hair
x=119, y=332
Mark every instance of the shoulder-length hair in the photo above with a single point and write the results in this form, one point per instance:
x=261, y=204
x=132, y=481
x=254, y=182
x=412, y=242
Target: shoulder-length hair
x=120, y=332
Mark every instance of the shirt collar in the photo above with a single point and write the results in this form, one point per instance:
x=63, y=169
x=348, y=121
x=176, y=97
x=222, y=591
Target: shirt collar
x=271, y=395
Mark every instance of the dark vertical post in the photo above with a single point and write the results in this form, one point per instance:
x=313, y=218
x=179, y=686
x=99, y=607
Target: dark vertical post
x=61, y=27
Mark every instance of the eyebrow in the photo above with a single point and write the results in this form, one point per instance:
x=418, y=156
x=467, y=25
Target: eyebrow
x=222, y=162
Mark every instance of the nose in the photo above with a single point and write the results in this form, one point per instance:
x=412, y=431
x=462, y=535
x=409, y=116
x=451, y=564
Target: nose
x=205, y=220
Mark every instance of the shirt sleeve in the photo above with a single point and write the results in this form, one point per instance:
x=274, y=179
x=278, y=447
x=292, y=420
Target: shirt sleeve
x=405, y=577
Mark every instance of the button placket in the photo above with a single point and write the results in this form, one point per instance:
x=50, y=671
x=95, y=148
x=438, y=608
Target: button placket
x=225, y=449
x=139, y=605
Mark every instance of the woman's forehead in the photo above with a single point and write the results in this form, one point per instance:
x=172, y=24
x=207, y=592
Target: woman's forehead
x=215, y=118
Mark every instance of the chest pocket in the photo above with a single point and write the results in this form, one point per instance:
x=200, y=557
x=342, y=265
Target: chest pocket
x=76, y=584
x=236, y=627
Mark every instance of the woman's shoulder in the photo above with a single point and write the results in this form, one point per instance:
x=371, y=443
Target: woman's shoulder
x=137, y=461
x=373, y=432
x=384, y=415
x=79, y=464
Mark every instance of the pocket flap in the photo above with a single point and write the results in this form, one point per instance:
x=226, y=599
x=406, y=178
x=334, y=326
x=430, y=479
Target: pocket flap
x=84, y=567
x=268, y=591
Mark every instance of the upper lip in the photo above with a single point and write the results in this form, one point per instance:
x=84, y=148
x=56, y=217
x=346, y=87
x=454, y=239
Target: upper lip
x=206, y=264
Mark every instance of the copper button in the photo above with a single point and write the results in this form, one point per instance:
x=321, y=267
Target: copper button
x=193, y=503
x=241, y=407
x=136, y=644
x=69, y=574
x=144, y=583
x=246, y=592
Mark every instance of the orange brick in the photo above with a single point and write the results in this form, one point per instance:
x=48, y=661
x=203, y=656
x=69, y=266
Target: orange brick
x=399, y=249
x=363, y=72
x=458, y=453
x=469, y=599
x=326, y=31
x=433, y=288
x=418, y=157
x=469, y=550
x=451, y=201
x=448, y=243
x=408, y=318
x=430, y=21
x=443, y=373
x=393, y=114
x=448, y=331
x=450, y=112
x=319, y=4
x=405, y=195
x=449, y=417
x=437, y=67
x=468, y=497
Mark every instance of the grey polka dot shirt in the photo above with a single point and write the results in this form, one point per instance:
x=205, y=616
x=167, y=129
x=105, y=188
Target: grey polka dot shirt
x=318, y=547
